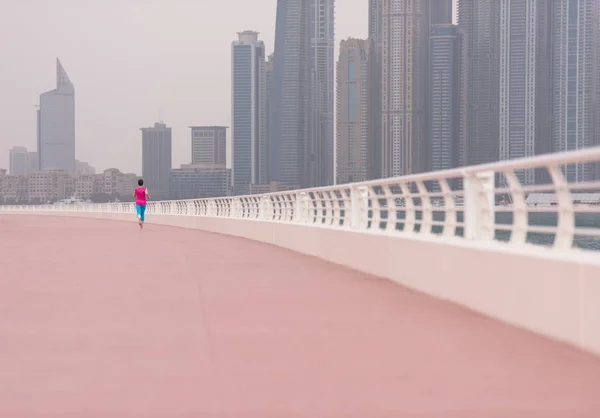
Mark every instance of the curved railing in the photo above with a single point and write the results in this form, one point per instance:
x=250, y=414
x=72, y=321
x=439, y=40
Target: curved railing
x=462, y=203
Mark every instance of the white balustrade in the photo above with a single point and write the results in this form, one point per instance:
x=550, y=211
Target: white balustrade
x=476, y=203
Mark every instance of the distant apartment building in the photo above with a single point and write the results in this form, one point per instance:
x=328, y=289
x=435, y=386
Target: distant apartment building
x=18, y=161
x=404, y=82
x=51, y=185
x=303, y=94
x=269, y=67
x=375, y=73
x=195, y=181
x=127, y=184
x=250, y=152
x=14, y=188
x=209, y=144
x=81, y=167
x=352, y=134
x=447, y=102
x=321, y=33
x=575, y=106
x=272, y=187
x=33, y=162
x=56, y=130
x=85, y=186
x=524, y=93
x=480, y=21
x=156, y=160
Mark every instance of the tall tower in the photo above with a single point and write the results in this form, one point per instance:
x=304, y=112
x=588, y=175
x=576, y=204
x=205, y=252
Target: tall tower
x=269, y=67
x=209, y=145
x=18, y=161
x=480, y=21
x=303, y=93
x=522, y=67
x=447, y=99
x=156, y=159
x=249, y=113
x=290, y=99
x=56, y=124
x=575, y=80
x=375, y=71
x=404, y=86
x=352, y=134
x=322, y=88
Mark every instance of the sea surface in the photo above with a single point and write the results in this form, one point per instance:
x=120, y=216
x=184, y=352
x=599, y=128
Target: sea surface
x=582, y=220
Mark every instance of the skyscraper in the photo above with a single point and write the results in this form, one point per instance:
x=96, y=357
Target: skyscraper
x=322, y=92
x=249, y=113
x=447, y=98
x=33, y=162
x=56, y=130
x=440, y=12
x=209, y=144
x=352, y=133
x=575, y=113
x=523, y=66
x=404, y=86
x=480, y=21
x=17, y=161
x=374, y=156
x=269, y=66
x=289, y=117
x=303, y=90
x=156, y=160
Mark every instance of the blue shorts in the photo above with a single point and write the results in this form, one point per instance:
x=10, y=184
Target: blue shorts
x=141, y=210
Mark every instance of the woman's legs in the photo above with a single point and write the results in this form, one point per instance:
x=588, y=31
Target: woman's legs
x=138, y=210
x=142, y=212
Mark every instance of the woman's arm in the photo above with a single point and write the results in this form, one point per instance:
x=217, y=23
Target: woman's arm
x=147, y=194
x=133, y=194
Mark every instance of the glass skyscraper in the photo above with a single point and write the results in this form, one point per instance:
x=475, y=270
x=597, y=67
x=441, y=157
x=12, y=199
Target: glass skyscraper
x=56, y=130
x=575, y=31
x=249, y=113
x=301, y=135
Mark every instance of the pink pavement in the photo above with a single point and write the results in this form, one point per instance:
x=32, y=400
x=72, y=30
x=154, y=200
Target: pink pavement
x=102, y=319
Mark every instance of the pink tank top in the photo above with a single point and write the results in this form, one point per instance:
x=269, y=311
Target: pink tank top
x=140, y=196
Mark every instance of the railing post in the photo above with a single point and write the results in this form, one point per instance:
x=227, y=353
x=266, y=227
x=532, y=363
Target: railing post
x=211, y=209
x=262, y=208
x=359, y=207
x=301, y=210
x=479, y=206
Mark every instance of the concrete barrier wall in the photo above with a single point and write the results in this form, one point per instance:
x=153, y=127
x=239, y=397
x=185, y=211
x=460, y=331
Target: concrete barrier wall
x=556, y=294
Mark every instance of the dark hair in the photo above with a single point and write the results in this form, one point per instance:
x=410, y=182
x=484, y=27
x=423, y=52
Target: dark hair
x=140, y=182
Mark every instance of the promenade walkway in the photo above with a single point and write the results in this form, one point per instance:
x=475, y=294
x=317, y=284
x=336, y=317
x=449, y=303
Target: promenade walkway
x=100, y=319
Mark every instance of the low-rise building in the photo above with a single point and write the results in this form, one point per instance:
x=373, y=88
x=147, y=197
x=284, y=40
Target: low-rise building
x=52, y=185
x=195, y=181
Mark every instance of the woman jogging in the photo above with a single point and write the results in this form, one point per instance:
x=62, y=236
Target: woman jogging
x=140, y=194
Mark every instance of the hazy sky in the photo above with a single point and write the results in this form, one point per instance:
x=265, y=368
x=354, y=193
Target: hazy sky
x=132, y=62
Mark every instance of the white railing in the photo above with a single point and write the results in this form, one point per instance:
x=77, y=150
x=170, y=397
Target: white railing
x=461, y=202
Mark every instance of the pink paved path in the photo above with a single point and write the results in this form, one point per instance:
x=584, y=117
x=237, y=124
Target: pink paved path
x=100, y=319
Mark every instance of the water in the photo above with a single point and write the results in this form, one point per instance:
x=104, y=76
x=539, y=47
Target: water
x=582, y=220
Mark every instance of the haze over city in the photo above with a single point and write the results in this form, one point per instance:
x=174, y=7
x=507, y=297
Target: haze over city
x=132, y=63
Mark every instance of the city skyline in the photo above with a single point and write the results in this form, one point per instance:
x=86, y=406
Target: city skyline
x=117, y=65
